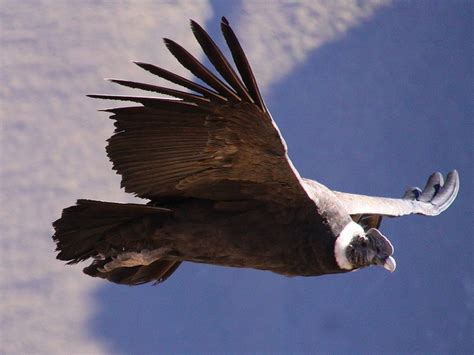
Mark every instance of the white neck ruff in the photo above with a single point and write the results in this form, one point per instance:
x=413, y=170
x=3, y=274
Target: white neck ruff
x=343, y=240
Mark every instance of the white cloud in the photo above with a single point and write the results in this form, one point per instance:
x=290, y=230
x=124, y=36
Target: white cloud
x=284, y=33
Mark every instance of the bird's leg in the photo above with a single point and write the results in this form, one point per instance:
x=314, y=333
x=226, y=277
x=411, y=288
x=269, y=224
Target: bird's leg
x=130, y=259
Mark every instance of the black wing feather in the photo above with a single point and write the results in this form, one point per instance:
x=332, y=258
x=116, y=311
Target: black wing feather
x=164, y=104
x=219, y=61
x=242, y=63
x=199, y=70
x=190, y=98
x=179, y=80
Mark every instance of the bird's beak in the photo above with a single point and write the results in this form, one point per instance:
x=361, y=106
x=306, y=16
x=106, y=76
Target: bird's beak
x=389, y=263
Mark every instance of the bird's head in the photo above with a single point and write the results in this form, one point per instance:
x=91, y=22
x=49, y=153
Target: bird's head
x=355, y=248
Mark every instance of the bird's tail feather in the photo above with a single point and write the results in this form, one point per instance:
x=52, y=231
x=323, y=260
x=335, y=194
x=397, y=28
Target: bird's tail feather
x=96, y=229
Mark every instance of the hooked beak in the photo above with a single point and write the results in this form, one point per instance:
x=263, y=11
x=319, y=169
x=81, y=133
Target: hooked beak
x=389, y=263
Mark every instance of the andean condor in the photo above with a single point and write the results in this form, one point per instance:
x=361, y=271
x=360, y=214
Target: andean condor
x=221, y=188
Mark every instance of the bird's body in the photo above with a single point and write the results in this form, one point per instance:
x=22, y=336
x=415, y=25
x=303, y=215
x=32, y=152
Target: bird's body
x=221, y=188
x=248, y=234
x=188, y=236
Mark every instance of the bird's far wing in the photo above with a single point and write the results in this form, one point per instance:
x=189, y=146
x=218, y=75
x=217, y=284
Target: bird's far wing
x=217, y=141
x=436, y=197
x=367, y=221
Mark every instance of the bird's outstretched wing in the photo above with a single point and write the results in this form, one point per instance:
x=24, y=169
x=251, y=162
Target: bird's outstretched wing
x=217, y=142
x=431, y=201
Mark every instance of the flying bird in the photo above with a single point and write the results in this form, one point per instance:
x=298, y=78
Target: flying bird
x=221, y=187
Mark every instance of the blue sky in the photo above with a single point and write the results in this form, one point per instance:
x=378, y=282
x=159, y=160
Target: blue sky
x=371, y=97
